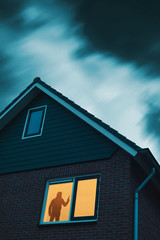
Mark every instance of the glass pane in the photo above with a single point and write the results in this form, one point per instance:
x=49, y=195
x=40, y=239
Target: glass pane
x=35, y=122
x=58, y=202
x=85, y=198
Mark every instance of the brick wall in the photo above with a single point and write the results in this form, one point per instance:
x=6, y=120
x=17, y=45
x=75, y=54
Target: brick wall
x=149, y=206
x=22, y=196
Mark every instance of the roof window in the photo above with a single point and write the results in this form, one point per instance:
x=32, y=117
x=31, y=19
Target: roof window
x=34, y=122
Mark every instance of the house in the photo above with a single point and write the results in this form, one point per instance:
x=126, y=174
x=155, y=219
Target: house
x=64, y=174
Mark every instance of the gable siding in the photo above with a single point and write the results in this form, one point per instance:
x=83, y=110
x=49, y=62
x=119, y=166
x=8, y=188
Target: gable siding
x=65, y=139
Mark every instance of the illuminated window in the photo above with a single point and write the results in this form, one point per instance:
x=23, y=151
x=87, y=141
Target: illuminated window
x=71, y=200
x=34, y=122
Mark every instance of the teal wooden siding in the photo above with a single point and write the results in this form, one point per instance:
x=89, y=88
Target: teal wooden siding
x=65, y=139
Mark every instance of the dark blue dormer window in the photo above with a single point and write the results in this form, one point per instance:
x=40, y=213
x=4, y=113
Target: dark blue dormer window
x=34, y=122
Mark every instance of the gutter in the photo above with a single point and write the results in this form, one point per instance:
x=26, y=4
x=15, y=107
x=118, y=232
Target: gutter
x=136, y=202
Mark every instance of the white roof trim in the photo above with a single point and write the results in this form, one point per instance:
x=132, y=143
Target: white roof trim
x=95, y=125
x=92, y=123
x=15, y=103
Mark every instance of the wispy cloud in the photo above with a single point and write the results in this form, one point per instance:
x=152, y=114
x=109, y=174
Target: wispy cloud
x=103, y=56
x=128, y=30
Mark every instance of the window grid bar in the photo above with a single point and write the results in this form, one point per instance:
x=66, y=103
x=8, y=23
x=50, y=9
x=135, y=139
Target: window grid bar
x=71, y=201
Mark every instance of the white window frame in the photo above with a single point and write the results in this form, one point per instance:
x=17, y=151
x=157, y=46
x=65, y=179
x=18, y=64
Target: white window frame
x=27, y=119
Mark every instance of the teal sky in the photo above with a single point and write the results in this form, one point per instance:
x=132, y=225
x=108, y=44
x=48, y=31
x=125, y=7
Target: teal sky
x=104, y=55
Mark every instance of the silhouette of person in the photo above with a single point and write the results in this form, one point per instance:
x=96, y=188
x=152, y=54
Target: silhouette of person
x=55, y=207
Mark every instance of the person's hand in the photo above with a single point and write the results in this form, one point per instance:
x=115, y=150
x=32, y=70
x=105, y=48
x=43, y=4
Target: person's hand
x=68, y=199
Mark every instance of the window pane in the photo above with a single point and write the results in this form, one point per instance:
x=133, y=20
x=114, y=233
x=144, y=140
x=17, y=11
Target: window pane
x=58, y=204
x=35, y=120
x=85, y=198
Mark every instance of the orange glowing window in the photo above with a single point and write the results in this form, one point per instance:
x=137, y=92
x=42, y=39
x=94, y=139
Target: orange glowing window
x=85, y=198
x=58, y=202
x=71, y=200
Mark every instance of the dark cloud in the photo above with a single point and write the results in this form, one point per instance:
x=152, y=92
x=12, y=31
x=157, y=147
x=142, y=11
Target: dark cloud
x=19, y=20
x=4, y=72
x=126, y=29
x=152, y=119
x=22, y=15
x=9, y=12
x=9, y=9
x=7, y=82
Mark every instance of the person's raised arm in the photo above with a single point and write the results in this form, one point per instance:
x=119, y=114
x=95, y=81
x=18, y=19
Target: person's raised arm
x=65, y=203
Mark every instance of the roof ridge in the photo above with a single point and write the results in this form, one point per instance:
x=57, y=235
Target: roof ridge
x=37, y=79
x=91, y=116
x=77, y=107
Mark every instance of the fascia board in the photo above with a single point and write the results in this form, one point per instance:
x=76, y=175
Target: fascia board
x=15, y=103
x=82, y=116
x=18, y=105
x=95, y=125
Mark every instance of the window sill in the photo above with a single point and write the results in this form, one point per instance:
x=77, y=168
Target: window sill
x=68, y=222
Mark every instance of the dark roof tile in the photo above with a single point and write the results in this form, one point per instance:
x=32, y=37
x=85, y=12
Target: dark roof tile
x=92, y=117
x=104, y=125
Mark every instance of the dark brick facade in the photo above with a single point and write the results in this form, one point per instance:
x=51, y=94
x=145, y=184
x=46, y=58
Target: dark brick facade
x=22, y=196
x=149, y=205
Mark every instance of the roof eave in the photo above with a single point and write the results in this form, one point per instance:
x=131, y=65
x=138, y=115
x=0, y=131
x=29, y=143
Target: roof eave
x=147, y=161
x=32, y=91
x=18, y=105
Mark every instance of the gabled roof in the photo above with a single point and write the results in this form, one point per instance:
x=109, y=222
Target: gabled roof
x=38, y=86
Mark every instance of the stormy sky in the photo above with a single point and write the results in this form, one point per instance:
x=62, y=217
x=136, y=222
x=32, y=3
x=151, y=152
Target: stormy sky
x=104, y=55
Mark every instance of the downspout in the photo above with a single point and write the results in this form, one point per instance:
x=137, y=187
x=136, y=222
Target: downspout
x=136, y=203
